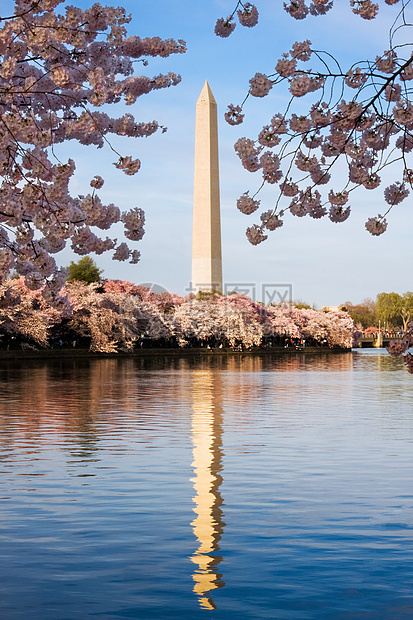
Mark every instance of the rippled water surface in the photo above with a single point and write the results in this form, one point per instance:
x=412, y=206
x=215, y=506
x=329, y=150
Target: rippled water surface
x=240, y=487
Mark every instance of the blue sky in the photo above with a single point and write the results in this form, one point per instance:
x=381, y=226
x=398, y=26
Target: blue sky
x=326, y=263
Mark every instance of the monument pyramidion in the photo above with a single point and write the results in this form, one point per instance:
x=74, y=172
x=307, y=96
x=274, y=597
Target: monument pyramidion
x=206, y=235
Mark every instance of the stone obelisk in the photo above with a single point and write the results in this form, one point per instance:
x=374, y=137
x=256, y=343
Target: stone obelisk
x=206, y=236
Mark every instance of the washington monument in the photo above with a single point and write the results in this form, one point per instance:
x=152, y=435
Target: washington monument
x=206, y=235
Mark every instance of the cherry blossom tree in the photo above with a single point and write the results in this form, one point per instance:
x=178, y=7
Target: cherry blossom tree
x=57, y=71
x=359, y=116
x=114, y=320
x=404, y=348
x=222, y=319
x=335, y=328
x=24, y=314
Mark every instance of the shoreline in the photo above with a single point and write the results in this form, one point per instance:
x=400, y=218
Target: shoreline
x=159, y=352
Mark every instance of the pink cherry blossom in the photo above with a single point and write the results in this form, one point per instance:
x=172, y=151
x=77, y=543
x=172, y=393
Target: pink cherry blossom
x=288, y=188
x=297, y=208
x=300, y=85
x=128, y=165
x=408, y=176
x=320, y=115
x=260, y=85
x=306, y=163
x=271, y=220
x=286, y=66
x=407, y=74
x=122, y=252
x=135, y=257
x=396, y=193
x=355, y=78
x=316, y=211
x=300, y=124
x=114, y=319
x=310, y=197
x=251, y=163
x=372, y=181
x=376, y=225
x=301, y=51
x=339, y=198
x=279, y=124
x=245, y=147
x=269, y=162
x=233, y=116
x=403, y=112
x=268, y=136
x=25, y=313
x=248, y=16
x=320, y=7
x=313, y=140
x=365, y=8
x=224, y=27
x=338, y=214
x=255, y=234
x=320, y=176
x=297, y=9
x=355, y=150
x=246, y=204
x=392, y=92
x=396, y=348
x=97, y=182
x=387, y=62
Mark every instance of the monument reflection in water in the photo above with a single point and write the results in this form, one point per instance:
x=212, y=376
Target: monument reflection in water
x=207, y=453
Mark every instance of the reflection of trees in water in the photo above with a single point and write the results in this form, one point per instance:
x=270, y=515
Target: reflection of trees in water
x=70, y=398
x=22, y=394
x=208, y=525
x=63, y=402
x=16, y=381
x=77, y=404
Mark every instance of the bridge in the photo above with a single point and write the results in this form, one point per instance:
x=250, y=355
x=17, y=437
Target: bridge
x=379, y=340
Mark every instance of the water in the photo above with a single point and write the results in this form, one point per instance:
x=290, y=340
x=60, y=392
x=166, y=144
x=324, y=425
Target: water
x=241, y=487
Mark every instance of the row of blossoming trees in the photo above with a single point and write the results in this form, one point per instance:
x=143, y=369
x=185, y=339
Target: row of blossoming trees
x=120, y=316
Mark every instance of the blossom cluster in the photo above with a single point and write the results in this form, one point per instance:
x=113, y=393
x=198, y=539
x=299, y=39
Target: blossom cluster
x=56, y=71
x=361, y=116
x=247, y=15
